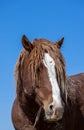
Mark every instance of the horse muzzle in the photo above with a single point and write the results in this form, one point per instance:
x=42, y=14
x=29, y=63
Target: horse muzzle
x=54, y=114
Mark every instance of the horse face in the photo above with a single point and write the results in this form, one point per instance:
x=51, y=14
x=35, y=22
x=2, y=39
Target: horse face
x=48, y=91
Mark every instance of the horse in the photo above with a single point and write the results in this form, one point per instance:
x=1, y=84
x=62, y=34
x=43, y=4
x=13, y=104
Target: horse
x=46, y=98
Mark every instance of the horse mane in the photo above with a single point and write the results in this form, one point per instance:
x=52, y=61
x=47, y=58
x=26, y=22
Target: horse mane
x=35, y=60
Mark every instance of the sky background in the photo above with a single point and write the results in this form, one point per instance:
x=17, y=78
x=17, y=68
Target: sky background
x=50, y=19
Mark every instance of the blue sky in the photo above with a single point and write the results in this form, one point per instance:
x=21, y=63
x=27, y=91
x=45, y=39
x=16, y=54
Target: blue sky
x=37, y=19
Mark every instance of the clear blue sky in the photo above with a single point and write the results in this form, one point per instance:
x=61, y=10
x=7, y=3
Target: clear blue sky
x=50, y=19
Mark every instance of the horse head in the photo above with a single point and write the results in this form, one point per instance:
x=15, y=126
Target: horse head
x=42, y=73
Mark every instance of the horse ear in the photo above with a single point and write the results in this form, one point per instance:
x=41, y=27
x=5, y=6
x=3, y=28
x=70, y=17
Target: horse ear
x=26, y=43
x=60, y=42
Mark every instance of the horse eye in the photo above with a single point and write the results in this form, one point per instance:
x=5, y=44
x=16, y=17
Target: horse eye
x=37, y=70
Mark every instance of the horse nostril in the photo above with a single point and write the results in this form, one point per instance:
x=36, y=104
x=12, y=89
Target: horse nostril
x=51, y=107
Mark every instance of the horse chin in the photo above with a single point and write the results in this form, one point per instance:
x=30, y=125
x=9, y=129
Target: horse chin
x=53, y=119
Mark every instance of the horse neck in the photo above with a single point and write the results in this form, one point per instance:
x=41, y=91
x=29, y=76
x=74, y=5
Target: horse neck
x=72, y=88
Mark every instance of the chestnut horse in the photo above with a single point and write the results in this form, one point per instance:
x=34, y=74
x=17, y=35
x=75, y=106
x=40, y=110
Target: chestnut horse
x=46, y=99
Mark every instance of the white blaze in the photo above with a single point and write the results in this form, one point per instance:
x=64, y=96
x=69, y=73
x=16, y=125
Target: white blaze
x=50, y=65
